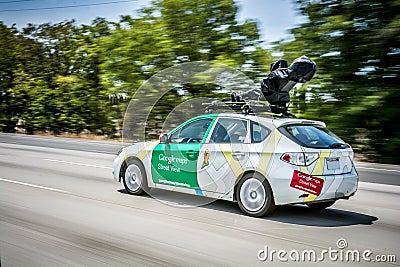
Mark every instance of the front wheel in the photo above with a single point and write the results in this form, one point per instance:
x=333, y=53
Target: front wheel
x=254, y=196
x=134, y=177
x=321, y=205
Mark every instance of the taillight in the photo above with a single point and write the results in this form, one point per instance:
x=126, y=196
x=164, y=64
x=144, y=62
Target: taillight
x=300, y=158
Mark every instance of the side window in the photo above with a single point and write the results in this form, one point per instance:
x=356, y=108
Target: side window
x=258, y=132
x=192, y=132
x=229, y=131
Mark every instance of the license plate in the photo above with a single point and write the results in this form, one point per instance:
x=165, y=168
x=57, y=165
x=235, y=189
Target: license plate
x=332, y=163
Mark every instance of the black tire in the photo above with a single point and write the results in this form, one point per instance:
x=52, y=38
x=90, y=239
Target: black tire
x=134, y=177
x=321, y=205
x=254, y=195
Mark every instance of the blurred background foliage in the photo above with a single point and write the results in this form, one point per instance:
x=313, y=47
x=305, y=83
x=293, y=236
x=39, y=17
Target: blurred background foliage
x=60, y=78
x=356, y=45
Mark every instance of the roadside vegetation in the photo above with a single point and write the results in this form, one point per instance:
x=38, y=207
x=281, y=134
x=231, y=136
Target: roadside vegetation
x=69, y=78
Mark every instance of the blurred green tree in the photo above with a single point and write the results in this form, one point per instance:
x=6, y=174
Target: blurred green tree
x=64, y=78
x=50, y=79
x=169, y=32
x=174, y=31
x=356, y=45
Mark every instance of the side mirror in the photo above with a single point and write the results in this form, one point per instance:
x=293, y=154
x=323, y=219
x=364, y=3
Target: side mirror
x=164, y=139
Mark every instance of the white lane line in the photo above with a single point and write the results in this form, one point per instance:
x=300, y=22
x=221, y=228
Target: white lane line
x=386, y=188
x=80, y=164
x=34, y=185
x=376, y=169
x=63, y=139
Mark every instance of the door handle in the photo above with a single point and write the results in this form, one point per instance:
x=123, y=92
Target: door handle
x=238, y=154
x=191, y=154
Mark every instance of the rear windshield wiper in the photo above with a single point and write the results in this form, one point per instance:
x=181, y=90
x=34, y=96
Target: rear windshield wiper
x=337, y=145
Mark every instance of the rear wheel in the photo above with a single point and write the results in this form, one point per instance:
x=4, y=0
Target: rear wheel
x=134, y=177
x=321, y=205
x=254, y=196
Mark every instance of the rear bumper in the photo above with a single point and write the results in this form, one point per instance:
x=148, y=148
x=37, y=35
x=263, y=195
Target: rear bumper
x=339, y=186
x=335, y=187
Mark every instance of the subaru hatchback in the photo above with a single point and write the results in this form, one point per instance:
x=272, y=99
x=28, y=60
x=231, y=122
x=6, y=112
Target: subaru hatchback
x=260, y=162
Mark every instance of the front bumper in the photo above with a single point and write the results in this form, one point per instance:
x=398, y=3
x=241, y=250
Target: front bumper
x=117, y=167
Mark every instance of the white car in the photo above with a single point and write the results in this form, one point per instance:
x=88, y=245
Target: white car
x=259, y=161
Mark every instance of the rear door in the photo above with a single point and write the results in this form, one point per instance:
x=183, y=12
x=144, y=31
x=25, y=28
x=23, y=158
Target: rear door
x=224, y=156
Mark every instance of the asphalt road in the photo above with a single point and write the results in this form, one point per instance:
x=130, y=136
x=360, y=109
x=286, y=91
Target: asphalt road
x=59, y=206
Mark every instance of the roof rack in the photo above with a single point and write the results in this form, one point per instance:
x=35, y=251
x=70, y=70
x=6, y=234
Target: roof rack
x=248, y=107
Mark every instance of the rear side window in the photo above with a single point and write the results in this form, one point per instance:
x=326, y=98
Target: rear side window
x=258, y=132
x=229, y=131
x=313, y=136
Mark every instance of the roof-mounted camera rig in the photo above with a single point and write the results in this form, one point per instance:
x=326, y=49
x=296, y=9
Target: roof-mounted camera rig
x=275, y=89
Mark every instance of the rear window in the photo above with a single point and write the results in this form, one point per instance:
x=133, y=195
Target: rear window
x=313, y=136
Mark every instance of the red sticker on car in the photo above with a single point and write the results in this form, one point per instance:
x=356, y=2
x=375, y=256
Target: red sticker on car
x=307, y=183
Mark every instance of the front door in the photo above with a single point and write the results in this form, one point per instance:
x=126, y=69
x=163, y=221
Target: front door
x=175, y=163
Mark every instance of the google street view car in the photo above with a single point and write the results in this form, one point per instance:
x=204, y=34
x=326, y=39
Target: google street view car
x=258, y=160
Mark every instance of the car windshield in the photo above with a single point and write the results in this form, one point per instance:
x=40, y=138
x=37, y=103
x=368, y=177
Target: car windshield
x=313, y=136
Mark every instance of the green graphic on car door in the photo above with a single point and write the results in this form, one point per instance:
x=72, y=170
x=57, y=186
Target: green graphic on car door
x=175, y=163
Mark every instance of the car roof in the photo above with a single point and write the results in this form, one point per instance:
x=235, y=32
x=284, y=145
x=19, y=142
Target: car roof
x=263, y=119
